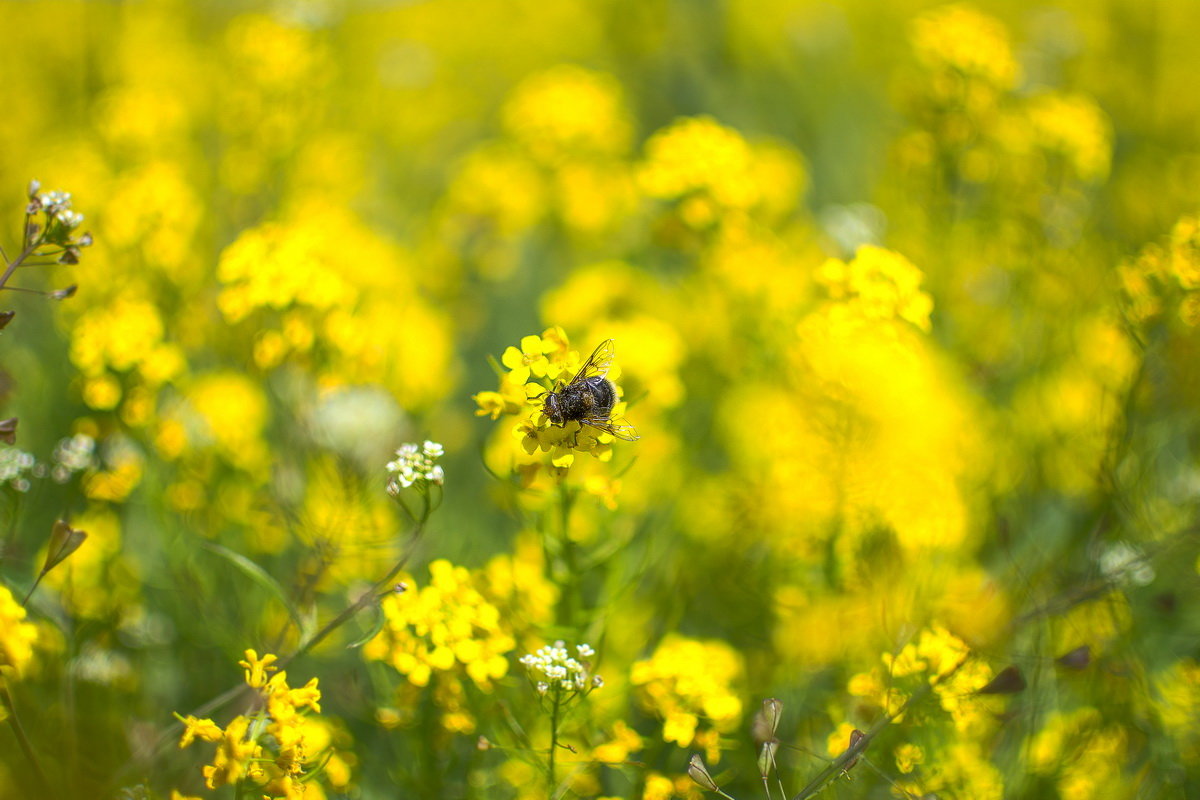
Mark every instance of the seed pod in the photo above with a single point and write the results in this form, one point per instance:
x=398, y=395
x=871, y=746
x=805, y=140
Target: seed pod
x=699, y=773
x=1007, y=681
x=1077, y=659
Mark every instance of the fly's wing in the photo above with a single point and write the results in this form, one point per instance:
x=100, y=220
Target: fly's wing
x=598, y=362
x=617, y=426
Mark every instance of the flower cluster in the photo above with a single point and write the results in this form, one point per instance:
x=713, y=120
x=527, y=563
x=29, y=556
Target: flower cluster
x=71, y=455
x=15, y=467
x=711, y=172
x=446, y=625
x=568, y=112
x=878, y=284
x=415, y=464
x=16, y=635
x=556, y=671
x=442, y=634
x=269, y=749
x=54, y=234
x=1163, y=282
x=687, y=680
x=542, y=364
x=957, y=40
x=57, y=206
x=56, y=229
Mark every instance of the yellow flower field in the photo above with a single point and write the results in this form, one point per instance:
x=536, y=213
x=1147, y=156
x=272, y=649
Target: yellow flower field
x=498, y=399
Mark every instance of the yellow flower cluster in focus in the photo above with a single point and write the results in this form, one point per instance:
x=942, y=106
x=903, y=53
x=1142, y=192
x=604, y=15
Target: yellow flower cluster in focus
x=271, y=748
x=445, y=625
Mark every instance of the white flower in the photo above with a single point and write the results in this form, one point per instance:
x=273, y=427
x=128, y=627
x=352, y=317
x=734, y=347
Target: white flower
x=413, y=465
x=558, y=670
x=1122, y=562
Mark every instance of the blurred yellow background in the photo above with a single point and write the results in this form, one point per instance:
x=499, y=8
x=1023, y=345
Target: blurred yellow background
x=904, y=299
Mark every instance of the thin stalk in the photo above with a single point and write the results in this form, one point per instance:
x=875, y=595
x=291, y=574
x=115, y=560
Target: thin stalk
x=368, y=597
x=29, y=594
x=567, y=604
x=16, y=262
x=848, y=758
x=19, y=731
x=554, y=736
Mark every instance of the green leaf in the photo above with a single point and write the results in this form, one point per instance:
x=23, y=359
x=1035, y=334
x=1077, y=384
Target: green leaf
x=376, y=626
x=264, y=579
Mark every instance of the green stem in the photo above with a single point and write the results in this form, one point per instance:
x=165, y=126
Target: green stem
x=567, y=605
x=365, y=599
x=554, y=737
x=848, y=758
x=23, y=740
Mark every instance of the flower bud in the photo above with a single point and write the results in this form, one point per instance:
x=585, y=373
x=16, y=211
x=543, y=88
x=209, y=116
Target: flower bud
x=1007, y=681
x=8, y=430
x=1079, y=658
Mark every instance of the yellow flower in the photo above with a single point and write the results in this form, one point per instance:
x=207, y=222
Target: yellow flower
x=194, y=728
x=233, y=756
x=958, y=38
x=537, y=446
x=531, y=358
x=908, y=756
x=700, y=155
x=839, y=741
x=258, y=668
x=1074, y=127
x=1177, y=704
x=689, y=679
x=444, y=626
x=567, y=111
x=878, y=284
x=16, y=635
x=510, y=399
x=658, y=787
x=625, y=741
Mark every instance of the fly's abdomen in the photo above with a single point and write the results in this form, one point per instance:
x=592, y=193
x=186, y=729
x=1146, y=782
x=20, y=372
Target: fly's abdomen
x=604, y=396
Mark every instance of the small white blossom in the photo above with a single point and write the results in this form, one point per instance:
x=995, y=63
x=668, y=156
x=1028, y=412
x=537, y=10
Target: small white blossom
x=559, y=670
x=73, y=455
x=1124, y=563
x=414, y=464
x=58, y=206
x=15, y=466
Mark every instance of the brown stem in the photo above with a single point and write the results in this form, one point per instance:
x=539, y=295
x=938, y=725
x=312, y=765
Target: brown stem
x=16, y=262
